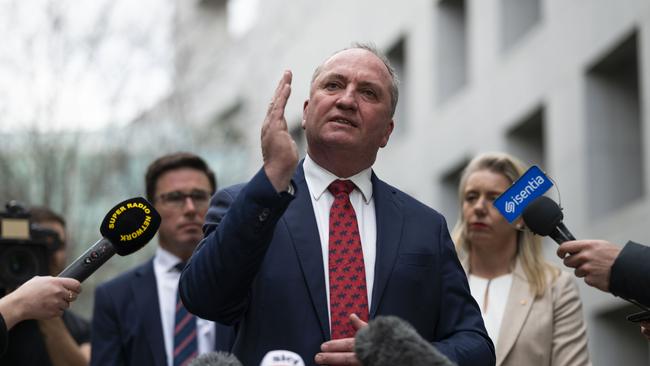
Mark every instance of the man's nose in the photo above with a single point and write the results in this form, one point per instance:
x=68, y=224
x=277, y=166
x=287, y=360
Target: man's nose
x=189, y=206
x=347, y=99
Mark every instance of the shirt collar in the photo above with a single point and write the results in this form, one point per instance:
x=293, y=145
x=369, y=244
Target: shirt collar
x=166, y=259
x=319, y=179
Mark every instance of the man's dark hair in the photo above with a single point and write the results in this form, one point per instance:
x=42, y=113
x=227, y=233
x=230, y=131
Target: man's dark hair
x=172, y=162
x=41, y=214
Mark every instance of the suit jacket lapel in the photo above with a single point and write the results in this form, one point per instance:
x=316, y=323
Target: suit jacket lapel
x=520, y=301
x=145, y=295
x=303, y=229
x=389, y=221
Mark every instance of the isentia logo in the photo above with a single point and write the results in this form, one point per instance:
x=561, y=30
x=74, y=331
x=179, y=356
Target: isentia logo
x=527, y=191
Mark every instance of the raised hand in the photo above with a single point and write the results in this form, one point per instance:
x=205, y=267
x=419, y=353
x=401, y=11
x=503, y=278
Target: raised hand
x=279, y=151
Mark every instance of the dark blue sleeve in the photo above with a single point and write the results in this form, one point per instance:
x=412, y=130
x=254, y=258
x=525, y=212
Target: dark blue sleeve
x=630, y=276
x=105, y=335
x=464, y=338
x=239, y=226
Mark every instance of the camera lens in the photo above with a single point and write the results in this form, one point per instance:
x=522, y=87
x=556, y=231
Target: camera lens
x=19, y=264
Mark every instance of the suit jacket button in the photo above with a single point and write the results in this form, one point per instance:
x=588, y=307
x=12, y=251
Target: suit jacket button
x=264, y=214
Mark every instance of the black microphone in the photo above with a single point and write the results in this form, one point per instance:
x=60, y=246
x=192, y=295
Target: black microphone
x=126, y=228
x=215, y=359
x=389, y=341
x=544, y=217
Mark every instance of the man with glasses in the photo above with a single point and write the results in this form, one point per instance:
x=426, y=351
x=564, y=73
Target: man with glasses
x=138, y=319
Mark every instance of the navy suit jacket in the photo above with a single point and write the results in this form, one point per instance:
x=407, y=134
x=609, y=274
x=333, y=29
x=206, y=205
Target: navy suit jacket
x=630, y=277
x=260, y=267
x=127, y=329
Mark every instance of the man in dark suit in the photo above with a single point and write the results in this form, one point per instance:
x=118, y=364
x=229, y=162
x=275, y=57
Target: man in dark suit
x=137, y=319
x=303, y=254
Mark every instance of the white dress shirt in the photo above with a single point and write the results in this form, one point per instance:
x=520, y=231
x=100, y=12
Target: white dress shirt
x=167, y=276
x=491, y=296
x=318, y=179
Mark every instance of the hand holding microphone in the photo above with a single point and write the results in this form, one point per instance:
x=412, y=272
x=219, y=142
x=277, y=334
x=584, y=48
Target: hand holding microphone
x=126, y=228
x=592, y=259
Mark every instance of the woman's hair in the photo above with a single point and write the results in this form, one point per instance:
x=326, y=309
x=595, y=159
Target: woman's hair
x=529, y=246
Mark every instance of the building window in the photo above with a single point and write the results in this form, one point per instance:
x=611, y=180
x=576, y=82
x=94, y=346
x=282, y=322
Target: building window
x=525, y=140
x=517, y=18
x=451, y=49
x=613, y=128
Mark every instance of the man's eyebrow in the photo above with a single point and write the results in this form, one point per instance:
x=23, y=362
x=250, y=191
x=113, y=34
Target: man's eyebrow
x=335, y=76
x=371, y=84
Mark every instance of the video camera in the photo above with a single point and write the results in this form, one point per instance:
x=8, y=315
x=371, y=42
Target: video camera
x=25, y=248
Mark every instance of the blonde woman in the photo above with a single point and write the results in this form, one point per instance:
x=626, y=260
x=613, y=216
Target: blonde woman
x=531, y=309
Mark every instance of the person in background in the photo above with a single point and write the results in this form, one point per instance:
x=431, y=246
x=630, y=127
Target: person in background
x=138, y=318
x=58, y=341
x=39, y=298
x=531, y=309
x=67, y=338
x=301, y=256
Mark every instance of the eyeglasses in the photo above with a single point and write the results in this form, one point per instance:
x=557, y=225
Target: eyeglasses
x=177, y=199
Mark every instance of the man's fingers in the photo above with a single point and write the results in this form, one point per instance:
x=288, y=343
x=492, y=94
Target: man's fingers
x=575, y=260
x=286, y=78
x=569, y=247
x=70, y=284
x=281, y=95
x=347, y=358
x=285, y=91
x=356, y=322
x=338, y=345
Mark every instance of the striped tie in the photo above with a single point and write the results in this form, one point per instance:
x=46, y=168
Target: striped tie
x=185, y=344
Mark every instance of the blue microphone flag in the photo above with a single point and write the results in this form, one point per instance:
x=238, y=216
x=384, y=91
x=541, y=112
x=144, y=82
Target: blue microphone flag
x=521, y=193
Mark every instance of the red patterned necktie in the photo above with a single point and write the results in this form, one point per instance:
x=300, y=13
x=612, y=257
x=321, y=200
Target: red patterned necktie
x=348, y=292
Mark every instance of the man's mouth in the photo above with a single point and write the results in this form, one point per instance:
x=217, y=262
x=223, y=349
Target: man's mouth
x=344, y=121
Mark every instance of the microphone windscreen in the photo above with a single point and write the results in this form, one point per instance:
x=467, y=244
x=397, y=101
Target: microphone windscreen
x=389, y=341
x=215, y=359
x=282, y=358
x=130, y=225
x=542, y=216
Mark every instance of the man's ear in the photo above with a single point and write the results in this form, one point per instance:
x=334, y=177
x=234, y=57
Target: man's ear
x=304, y=113
x=389, y=130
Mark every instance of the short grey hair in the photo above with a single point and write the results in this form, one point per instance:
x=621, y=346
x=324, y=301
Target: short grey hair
x=394, y=80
